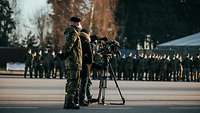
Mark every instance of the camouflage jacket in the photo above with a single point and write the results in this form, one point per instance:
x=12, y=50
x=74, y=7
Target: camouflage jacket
x=73, y=49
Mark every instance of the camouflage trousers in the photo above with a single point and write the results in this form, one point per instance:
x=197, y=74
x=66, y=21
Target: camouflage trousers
x=72, y=86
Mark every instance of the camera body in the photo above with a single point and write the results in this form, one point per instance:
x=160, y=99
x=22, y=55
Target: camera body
x=110, y=47
x=106, y=51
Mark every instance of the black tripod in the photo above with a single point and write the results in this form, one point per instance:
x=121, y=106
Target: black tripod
x=103, y=81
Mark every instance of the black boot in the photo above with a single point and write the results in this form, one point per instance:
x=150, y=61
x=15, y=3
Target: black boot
x=69, y=103
x=93, y=100
x=71, y=106
x=83, y=103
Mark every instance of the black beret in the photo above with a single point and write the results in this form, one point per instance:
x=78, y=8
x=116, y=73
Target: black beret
x=75, y=19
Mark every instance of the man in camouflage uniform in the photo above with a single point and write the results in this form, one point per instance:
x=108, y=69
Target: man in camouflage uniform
x=73, y=52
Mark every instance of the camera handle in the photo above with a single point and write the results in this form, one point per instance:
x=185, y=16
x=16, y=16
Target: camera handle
x=103, y=84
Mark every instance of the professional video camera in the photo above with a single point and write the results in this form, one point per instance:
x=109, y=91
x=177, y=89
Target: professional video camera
x=110, y=47
x=106, y=50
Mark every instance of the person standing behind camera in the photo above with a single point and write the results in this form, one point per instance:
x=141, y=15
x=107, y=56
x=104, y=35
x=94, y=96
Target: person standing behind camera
x=73, y=53
x=87, y=61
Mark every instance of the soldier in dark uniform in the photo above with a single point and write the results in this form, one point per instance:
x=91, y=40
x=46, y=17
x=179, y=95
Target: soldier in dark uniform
x=178, y=67
x=119, y=74
x=87, y=60
x=174, y=68
x=45, y=63
x=129, y=67
x=198, y=67
x=51, y=57
x=73, y=52
x=135, y=63
x=121, y=67
x=169, y=69
x=151, y=63
x=28, y=63
x=157, y=67
x=180, y=75
x=38, y=65
x=59, y=64
x=163, y=68
x=146, y=67
x=186, y=63
x=114, y=64
x=35, y=64
x=141, y=67
x=195, y=68
x=48, y=63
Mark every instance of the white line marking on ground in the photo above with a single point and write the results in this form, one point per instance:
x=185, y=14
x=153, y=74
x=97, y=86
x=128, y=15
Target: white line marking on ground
x=188, y=107
x=16, y=107
x=109, y=108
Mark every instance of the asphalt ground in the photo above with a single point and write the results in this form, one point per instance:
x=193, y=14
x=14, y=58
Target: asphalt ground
x=19, y=95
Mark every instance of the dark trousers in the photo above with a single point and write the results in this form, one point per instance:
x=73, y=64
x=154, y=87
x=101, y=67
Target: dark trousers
x=28, y=67
x=84, y=82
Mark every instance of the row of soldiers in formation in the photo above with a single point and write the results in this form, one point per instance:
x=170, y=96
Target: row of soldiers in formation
x=157, y=67
x=44, y=63
x=50, y=64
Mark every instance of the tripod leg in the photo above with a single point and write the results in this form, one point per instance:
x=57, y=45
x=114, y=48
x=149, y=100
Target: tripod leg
x=104, y=86
x=114, y=78
x=103, y=96
x=100, y=90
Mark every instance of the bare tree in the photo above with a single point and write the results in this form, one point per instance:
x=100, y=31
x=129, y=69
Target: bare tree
x=97, y=16
x=62, y=11
x=15, y=36
x=42, y=23
x=104, y=23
